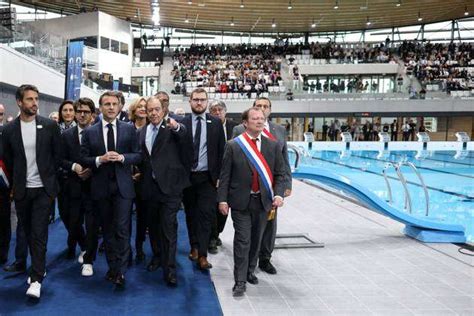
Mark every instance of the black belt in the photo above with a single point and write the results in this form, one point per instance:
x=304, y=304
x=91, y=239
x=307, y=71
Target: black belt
x=255, y=195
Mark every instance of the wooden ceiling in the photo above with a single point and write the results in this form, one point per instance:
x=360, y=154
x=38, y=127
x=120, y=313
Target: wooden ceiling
x=258, y=15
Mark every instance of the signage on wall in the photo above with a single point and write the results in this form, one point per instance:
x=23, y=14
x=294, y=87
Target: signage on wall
x=74, y=70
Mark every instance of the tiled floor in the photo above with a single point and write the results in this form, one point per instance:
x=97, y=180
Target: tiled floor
x=368, y=266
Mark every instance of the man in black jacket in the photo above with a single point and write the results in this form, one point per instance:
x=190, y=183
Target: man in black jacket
x=5, y=225
x=202, y=152
x=162, y=180
x=32, y=154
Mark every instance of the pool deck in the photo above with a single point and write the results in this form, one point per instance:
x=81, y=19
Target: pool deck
x=368, y=267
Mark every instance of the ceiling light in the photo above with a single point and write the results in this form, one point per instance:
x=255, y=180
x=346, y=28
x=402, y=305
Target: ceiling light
x=290, y=6
x=336, y=5
x=313, y=25
x=242, y=4
x=419, y=17
x=399, y=3
x=273, y=23
x=190, y=2
x=186, y=20
x=232, y=22
x=466, y=13
x=156, y=15
x=368, y=23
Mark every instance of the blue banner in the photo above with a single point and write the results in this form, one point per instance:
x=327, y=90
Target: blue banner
x=74, y=70
x=115, y=86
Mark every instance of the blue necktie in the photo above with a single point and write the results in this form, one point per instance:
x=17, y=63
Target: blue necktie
x=197, y=142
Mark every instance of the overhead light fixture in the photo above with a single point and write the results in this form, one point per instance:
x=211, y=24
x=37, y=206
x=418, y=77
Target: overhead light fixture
x=156, y=13
x=399, y=3
x=466, y=13
x=336, y=5
x=368, y=23
x=419, y=17
x=242, y=4
x=273, y=23
x=290, y=6
x=232, y=21
x=313, y=25
x=186, y=20
x=190, y=2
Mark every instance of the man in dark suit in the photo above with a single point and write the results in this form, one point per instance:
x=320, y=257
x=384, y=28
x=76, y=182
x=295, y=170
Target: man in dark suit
x=32, y=153
x=77, y=187
x=5, y=224
x=202, y=155
x=162, y=180
x=251, y=190
x=110, y=148
x=277, y=133
x=219, y=110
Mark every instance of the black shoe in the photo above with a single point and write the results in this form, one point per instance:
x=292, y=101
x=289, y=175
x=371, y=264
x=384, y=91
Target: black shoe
x=139, y=257
x=130, y=259
x=71, y=254
x=102, y=247
x=213, y=247
x=110, y=276
x=15, y=267
x=154, y=264
x=239, y=289
x=171, y=279
x=252, y=279
x=120, y=281
x=267, y=266
x=218, y=242
x=3, y=260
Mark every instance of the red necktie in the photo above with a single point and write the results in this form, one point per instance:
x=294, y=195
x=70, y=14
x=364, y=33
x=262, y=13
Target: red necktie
x=255, y=184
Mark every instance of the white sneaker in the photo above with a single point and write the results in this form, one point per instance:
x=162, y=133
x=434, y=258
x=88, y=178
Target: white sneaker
x=34, y=290
x=80, y=259
x=29, y=278
x=87, y=270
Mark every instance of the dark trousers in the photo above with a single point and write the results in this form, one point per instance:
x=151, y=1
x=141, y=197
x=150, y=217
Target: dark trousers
x=164, y=226
x=268, y=239
x=33, y=215
x=142, y=216
x=115, y=214
x=406, y=136
x=200, y=205
x=5, y=224
x=72, y=214
x=394, y=136
x=249, y=225
x=21, y=246
x=92, y=221
x=219, y=224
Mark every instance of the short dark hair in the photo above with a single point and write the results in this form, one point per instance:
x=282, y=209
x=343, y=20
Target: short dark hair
x=245, y=114
x=163, y=93
x=197, y=90
x=262, y=98
x=109, y=94
x=61, y=108
x=218, y=103
x=120, y=97
x=20, y=92
x=84, y=101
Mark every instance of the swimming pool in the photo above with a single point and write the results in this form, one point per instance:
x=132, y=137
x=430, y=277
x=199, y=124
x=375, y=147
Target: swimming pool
x=449, y=181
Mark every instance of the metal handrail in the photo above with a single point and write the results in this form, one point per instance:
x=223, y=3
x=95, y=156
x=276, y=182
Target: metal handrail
x=402, y=180
x=384, y=172
x=298, y=153
x=425, y=189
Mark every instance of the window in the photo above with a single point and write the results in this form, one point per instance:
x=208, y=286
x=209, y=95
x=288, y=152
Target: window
x=114, y=46
x=104, y=43
x=123, y=48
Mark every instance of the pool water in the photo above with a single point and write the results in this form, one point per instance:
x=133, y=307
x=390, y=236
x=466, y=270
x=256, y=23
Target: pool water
x=450, y=181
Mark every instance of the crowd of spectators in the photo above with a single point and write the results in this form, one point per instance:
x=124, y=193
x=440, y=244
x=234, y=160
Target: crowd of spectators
x=433, y=63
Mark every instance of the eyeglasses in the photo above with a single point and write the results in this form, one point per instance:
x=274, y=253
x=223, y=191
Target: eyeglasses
x=83, y=112
x=198, y=100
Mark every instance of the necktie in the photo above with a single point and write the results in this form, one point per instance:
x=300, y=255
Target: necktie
x=80, y=137
x=153, y=135
x=197, y=142
x=110, y=138
x=255, y=184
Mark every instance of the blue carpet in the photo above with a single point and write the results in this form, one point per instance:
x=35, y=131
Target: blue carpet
x=66, y=292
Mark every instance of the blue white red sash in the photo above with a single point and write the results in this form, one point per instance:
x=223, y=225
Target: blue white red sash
x=267, y=134
x=257, y=160
x=3, y=176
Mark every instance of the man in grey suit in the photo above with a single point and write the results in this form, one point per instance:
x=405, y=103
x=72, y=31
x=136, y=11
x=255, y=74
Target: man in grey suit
x=277, y=133
x=251, y=191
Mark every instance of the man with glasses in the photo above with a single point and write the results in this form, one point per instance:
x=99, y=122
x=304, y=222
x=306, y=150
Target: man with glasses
x=277, y=133
x=77, y=187
x=110, y=149
x=203, y=154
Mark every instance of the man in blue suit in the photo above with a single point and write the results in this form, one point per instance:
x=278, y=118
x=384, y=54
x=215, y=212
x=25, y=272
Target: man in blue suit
x=110, y=148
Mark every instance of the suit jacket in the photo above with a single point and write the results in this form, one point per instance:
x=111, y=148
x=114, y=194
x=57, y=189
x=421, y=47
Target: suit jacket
x=280, y=134
x=71, y=153
x=48, y=155
x=229, y=128
x=215, y=144
x=164, y=163
x=127, y=145
x=235, y=180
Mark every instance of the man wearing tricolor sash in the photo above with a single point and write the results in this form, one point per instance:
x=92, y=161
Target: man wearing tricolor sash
x=252, y=183
x=277, y=133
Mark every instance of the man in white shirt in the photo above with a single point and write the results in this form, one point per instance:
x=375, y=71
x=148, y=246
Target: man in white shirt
x=32, y=156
